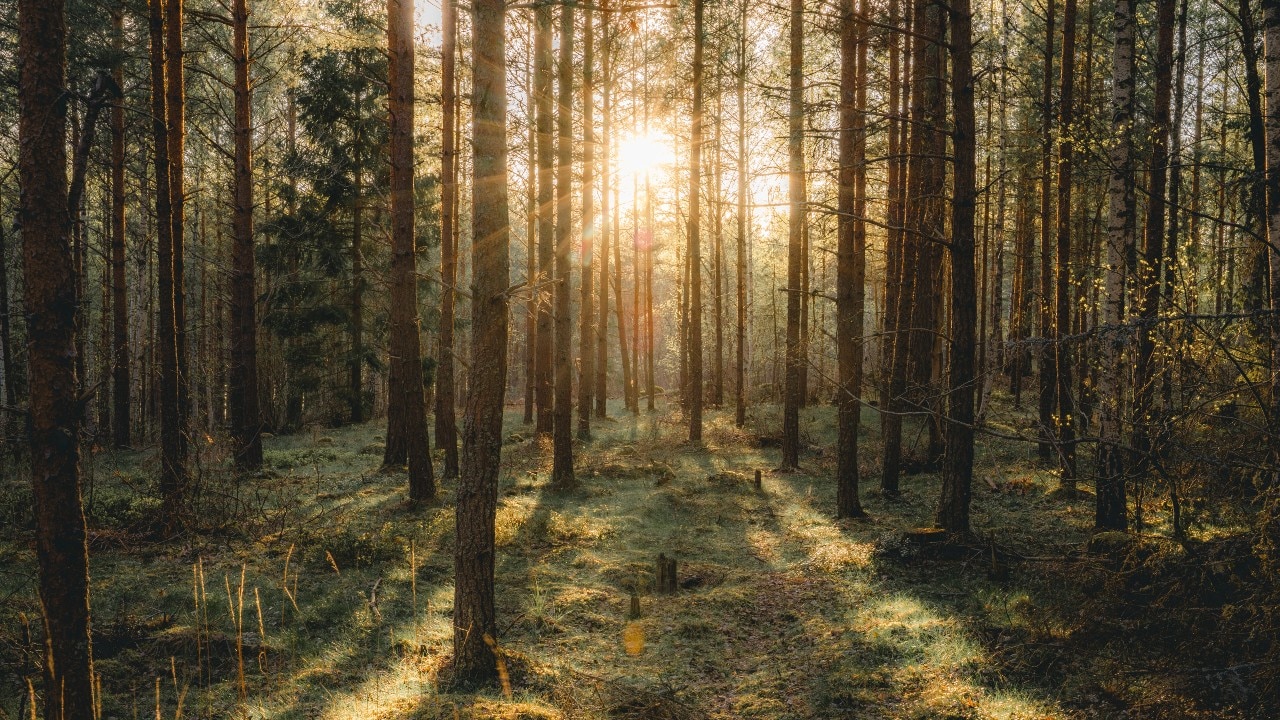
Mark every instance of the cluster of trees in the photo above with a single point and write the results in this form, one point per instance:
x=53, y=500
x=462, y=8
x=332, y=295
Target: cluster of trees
x=268, y=239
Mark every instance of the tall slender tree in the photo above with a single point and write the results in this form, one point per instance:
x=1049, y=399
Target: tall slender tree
x=957, y=470
x=792, y=397
x=121, y=416
x=543, y=367
x=586, y=313
x=1147, y=291
x=474, y=623
x=446, y=398
x=851, y=252
x=407, y=404
x=246, y=415
x=173, y=472
x=1064, y=420
x=62, y=555
x=562, y=437
x=1121, y=212
x=695, y=233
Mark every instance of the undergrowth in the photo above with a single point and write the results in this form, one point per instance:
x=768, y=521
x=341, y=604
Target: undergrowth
x=315, y=591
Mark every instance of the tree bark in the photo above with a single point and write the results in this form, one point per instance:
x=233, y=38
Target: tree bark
x=1065, y=418
x=544, y=369
x=851, y=253
x=406, y=401
x=62, y=555
x=957, y=471
x=446, y=398
x=474, y=623
x=1047, y=398
x=120, y=411
x=740, y=356
x=246, y=416
x=1149, y=271
x=1110, y=510
x=176, y=109
x=562, y=437
x=695, y=233
x=1271, y=39
x=792, y=396
x=586, y=313
x=173, y=471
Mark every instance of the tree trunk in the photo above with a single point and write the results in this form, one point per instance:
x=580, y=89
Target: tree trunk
x=1065, y=418
x=1271, y=35
x=1110, y=511
x=544, y=369
x=474, y=623
x=176, y=109
x=446, y=398
x=586, y=313
x=173, y=471
x=957, y=471
x=1148, y=277
x=851, y=253
x=1048, y=357
x=740, y=357
x=120, y=414
x=792, y=397
x=62, y=555
x=1255, y=208
x=695, y=233
x=531, y=242
x=562, y=440
x=406, y=401
x=602, y=325
x=246, y=417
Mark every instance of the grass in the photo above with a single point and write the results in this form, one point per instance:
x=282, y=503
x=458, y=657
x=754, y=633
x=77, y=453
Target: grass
x=335, y=596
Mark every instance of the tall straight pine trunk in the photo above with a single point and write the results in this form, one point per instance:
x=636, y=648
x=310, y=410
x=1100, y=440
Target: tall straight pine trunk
x=407, y=405
x=446, y=397
x=475, y=626
x=957, y=469
x=851, y=252
x=694, y=234
x=246, y=416
x=792, y=397
x=62, y=555
x=562, y=436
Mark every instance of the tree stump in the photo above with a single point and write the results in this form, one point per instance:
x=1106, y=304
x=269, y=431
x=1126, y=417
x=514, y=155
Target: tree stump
x=666, y=583
x=634, y=613
x=759, y=483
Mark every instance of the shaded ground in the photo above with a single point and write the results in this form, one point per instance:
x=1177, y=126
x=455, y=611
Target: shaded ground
x=334, y=596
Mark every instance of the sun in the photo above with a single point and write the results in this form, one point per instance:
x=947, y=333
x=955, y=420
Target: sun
x=641, y=153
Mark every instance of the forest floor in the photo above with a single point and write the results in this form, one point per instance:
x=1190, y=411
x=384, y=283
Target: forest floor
x=316, y=591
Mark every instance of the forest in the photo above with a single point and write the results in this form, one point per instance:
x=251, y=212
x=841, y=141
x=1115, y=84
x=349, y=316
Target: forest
x=639, y=359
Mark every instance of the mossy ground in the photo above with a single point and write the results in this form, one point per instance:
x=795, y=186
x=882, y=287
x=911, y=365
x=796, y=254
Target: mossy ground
x=335, y=595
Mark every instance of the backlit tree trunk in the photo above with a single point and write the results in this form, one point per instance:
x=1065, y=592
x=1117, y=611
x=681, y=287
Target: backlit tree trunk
x=792, y=396
x=246, y=416
x=586, y=313
x=957, y=469
x=407, y=404
x=474, y=623
x=1147, y=291
x=1065, y=418
x=695, y=236
x=446, y=399
x=1110, y=511
x=173, y=472
x=120, y=412
x=543, y=368
x=562, y=438
x=851, y=254
x=62, y=556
